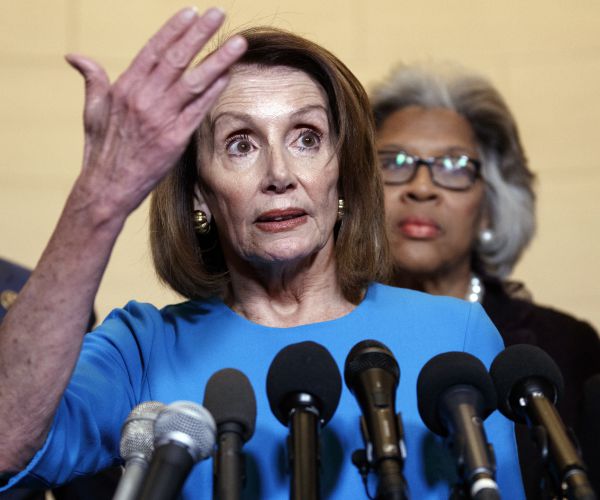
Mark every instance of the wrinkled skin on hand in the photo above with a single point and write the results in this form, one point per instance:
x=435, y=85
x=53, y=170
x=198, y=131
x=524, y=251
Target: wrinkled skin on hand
x=137, y=127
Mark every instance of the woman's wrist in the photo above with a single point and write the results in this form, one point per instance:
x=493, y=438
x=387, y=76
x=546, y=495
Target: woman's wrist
x=95, y=207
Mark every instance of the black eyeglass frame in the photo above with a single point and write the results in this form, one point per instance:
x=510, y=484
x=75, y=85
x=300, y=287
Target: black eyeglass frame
x=430, y=163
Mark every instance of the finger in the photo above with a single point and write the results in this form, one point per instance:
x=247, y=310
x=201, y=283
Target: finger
x=154, y=49
x=180, y=53
x=97, y=86
x=202, y=77
x=193, y=114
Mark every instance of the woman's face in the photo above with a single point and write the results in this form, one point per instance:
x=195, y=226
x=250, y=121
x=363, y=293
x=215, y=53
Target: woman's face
x=270, y=178
x=431, y=229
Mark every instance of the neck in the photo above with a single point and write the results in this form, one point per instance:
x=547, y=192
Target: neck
x=452, y=283
x=289, y=294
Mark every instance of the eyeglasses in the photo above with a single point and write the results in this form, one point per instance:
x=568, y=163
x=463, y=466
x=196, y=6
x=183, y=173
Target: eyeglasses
x=458, y=173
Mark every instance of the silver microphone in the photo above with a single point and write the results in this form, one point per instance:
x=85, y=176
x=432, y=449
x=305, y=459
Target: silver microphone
x=184, y=434
x=136, y=448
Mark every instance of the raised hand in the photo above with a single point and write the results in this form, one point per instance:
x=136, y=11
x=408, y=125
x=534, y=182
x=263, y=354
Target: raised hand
x=137, y=128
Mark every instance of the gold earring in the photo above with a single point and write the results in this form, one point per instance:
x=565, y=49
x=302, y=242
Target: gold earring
x=340, y=210
x=201, y=223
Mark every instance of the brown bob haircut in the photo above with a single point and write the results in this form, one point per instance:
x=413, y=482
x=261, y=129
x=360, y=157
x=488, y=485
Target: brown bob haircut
x=193, y=265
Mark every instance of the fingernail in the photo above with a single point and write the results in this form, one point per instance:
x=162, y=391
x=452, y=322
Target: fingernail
x=188, y=13
x=236, y=44
x=214, y=15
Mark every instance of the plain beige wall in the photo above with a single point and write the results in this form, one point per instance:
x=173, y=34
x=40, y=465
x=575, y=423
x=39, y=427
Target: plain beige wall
x=543, y=55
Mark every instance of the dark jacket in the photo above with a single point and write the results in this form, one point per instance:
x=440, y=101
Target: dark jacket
x=575, y=347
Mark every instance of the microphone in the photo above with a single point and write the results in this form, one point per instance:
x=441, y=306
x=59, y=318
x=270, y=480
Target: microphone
x=455, y=394
x=230, y=399
x=303, y=388
x=529, y=385
x=372, y=374
x=184, y=433
x=136, y=448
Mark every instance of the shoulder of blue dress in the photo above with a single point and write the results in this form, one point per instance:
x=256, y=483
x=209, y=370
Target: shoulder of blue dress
x=137, y=308
x=382, y=291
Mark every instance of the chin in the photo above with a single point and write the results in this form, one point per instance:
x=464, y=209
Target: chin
x=286, y=252
x=417, y=263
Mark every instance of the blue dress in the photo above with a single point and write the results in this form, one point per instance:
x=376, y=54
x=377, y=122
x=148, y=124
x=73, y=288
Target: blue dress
x=141, y=353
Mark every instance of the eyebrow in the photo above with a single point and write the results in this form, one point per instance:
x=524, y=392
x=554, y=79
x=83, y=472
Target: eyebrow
x=248, y=117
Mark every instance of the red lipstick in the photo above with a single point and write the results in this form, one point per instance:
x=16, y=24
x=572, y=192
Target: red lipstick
x=419, y=228
x=275, y=221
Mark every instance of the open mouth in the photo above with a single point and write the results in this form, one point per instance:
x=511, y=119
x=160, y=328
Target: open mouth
x=281, y=220
x=280, y=215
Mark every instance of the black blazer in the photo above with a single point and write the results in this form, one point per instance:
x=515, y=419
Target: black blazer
x=575, y=347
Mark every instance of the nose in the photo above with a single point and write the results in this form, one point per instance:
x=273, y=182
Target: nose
x=279, y=176
x=421, y=188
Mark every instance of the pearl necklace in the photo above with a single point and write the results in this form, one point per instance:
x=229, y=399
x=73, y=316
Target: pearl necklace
x=476, y=290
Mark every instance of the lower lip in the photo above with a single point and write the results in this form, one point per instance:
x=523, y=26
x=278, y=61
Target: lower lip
x=282, y=225
x=419, y=231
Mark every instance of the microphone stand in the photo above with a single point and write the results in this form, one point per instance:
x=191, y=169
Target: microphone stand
x=476, y=464
x=391, y=483
x=168, y=471
x=303, y=449
x=569, y=469
x=228, y=463
x=391, y=480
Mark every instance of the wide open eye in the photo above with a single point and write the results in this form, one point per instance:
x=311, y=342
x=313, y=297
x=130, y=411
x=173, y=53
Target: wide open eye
x=309, y=139
x=239, y=145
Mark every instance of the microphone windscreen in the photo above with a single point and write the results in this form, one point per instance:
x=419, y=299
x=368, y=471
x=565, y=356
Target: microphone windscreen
x=308, y=368
x=137, y=434
x=447, y=370
x=369, y=354
x=519, y=363
x=188, y=424
x=230, y=399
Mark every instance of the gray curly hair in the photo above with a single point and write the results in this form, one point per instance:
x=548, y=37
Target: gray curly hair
x=509, y=195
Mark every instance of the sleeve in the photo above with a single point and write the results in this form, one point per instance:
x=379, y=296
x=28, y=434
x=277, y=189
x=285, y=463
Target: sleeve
x=483, y=340
x=106, y=384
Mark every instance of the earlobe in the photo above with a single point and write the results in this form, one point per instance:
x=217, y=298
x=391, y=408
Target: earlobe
x=486, y=234
x=485, y=221
x=200, y=204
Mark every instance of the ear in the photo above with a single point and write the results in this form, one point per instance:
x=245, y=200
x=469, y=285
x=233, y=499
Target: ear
x=485, y=221
x=199, y=203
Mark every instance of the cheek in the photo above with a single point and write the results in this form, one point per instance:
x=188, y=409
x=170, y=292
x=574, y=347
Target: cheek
x=324, y=183
x=467, y=215
x=390, y=201
x=228, y=203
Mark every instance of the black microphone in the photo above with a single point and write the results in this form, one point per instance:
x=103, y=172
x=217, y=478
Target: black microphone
x=372, y=374
x=455, y=394
x=304, y=387
x=230, y=399
x=184, y=433
x=529, y=385
x=136, y=448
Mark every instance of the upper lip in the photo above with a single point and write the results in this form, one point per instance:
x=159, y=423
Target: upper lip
x=280, y=214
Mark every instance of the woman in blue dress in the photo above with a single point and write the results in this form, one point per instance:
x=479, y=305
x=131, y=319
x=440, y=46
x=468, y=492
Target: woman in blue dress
x=267, y=216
